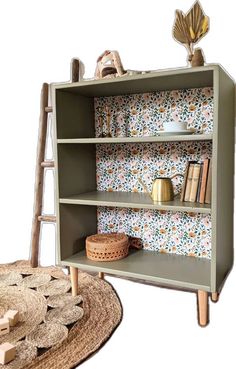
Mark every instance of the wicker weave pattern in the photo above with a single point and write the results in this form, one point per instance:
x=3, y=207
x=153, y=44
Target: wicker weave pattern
x=107, y=247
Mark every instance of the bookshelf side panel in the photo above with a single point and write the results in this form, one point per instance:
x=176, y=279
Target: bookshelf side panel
x=76, y=169
x=76, y=223
x=223, y=178
x=75, y=115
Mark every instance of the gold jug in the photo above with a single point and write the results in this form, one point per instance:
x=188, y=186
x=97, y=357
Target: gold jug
x=162, y=188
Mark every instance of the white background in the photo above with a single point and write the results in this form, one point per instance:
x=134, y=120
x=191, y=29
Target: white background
x=37, y=41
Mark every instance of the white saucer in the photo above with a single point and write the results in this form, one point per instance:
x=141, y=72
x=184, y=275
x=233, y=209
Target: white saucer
x=172, y=133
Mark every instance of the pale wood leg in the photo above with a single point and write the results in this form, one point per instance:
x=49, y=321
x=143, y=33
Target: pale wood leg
x=203, y=313
x=214, y=296
x=101, y=275
x=74, y=280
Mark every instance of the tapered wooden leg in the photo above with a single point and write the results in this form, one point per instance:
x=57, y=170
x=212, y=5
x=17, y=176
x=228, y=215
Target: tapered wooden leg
x=74, y=280
x=214, y=296
x=203, y=313
x=101, y=275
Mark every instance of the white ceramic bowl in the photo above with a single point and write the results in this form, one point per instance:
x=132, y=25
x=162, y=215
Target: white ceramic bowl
x=175, y=126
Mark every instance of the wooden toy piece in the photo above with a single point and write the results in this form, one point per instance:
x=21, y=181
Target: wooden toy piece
x=109, y=65
x=7, y=353
x=12, y=316
x=4, y=326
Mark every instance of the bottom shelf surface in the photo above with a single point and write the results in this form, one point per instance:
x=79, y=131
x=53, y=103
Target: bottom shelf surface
x=167, y=269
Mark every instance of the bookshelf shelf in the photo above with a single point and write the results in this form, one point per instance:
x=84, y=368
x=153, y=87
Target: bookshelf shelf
x=174, y=138
x=167, y=269
x=133, y=200
x=95, y=182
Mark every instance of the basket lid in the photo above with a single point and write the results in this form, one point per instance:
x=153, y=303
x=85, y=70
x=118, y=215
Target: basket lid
x=107, y=238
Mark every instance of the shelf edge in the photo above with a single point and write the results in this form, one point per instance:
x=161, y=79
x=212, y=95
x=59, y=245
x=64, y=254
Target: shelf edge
x=188, y=209
x=207, y=137
x=162, y=281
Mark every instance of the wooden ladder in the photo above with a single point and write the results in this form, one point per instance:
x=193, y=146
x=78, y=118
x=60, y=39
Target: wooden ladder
x=42, y=164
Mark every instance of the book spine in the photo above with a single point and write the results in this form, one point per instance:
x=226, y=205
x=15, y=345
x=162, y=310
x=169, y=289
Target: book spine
x=204, y=181
x=209, y=185
x=189, y=182
x=199, y=183
x=195, y=180
x=184, y=182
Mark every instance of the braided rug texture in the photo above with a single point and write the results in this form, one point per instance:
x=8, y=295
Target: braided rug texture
x=102, y=313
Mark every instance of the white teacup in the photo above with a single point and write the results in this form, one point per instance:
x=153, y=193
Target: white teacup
x=175, y=126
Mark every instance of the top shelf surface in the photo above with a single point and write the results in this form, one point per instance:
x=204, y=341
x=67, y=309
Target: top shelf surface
x=172, y=138
x=168, y=79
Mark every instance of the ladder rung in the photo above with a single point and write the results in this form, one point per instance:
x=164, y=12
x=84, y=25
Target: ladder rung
x=47, y=218
x=48, y=109
x=48, y=164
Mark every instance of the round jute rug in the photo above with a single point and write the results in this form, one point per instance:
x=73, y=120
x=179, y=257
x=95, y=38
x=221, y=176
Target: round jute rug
x=99, y=314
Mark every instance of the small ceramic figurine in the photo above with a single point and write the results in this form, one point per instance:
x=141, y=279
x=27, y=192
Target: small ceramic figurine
x=188, y=29
x=109, y=65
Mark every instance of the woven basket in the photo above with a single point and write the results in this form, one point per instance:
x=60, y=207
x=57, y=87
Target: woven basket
x=107, y=246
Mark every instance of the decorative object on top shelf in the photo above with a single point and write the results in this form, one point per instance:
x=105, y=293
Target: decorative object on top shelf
x=77, y=70
x=107, y=246
x=175, y=128
x=198, y=58
x=162, y=188
x=109, y=65
x=188, y=29
x=172, y=126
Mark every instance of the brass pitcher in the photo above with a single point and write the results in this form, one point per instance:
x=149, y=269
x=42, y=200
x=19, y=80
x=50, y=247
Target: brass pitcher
x=162, y=188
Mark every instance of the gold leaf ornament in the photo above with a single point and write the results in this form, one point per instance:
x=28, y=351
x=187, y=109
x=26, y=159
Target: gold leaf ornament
x=205, y=26
x=189, y=28
x=181, y=31
x=198, y=21
x=192, y=34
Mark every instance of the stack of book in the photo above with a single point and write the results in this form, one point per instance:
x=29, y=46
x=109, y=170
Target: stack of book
x=197, y=182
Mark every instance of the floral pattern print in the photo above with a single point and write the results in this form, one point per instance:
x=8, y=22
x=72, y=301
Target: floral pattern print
x=163, y=231
x=120, y=165
x=144, y=114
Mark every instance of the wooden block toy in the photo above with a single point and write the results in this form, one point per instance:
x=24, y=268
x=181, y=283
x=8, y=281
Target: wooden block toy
x=12, y=316
x=7, y=353
x=4, y=326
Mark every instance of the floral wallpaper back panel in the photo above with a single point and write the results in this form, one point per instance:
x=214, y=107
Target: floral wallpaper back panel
x=120, y=165
x=144, y=114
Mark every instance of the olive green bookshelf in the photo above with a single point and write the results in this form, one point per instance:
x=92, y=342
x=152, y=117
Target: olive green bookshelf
x=77, y=198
